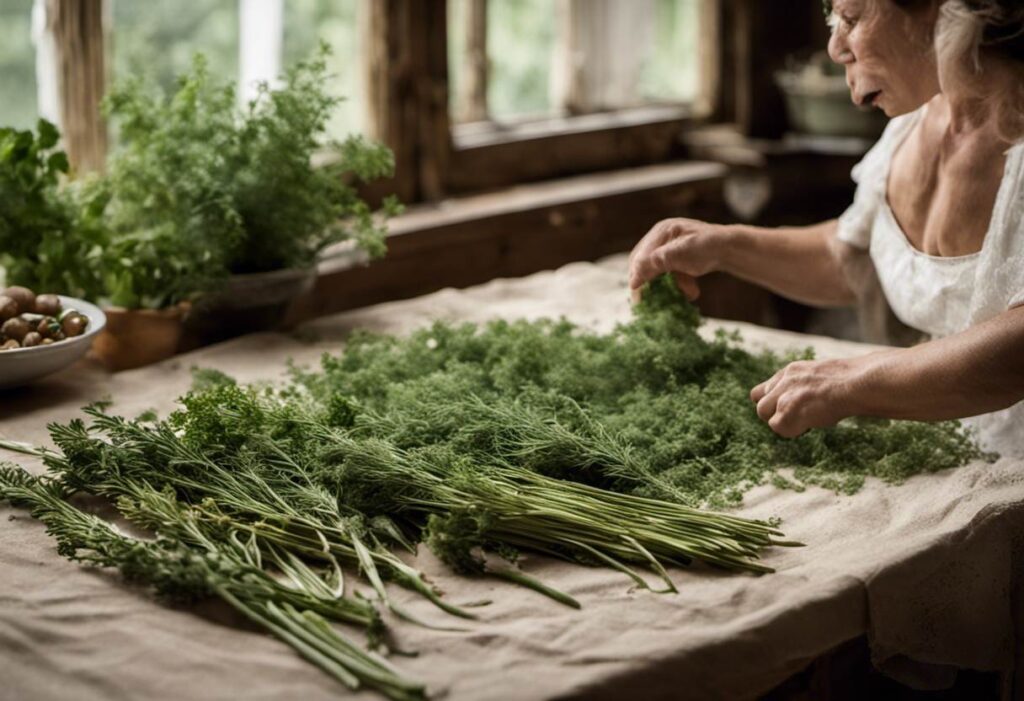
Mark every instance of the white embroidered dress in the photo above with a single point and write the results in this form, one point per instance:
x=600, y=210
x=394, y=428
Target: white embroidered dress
x=944, y=295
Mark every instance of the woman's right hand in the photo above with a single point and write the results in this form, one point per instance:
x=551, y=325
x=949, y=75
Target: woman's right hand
x=684, y=248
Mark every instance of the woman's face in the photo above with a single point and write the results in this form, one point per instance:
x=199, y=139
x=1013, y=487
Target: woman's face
x=888, y=55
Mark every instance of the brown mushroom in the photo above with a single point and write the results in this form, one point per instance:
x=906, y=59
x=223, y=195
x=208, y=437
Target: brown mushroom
x=46, y=342
x=8, y=308
x=24, y=297
x=31, y=339
x=47, y=326
x=73, y=324
x=10, y=345
x=48, y=305
x=15, y=328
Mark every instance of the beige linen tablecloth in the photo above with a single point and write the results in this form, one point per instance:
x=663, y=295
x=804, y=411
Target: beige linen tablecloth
x=929, y=570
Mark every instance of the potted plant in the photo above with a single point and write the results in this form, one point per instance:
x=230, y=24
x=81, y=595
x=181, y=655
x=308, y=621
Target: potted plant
x=57, y=238
x=204, y=206
x=267, y=210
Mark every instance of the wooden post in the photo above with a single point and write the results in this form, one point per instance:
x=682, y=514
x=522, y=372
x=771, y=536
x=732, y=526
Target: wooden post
x=77, y=29
x=475, y=64
x=407, y=91
x=763, y=35
x=711, y=59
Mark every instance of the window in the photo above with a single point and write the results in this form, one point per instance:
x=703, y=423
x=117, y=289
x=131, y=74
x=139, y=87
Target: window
x=512, y=60
x=306, y=22
x=470, y=94
x=17, y=64
x=157, y=38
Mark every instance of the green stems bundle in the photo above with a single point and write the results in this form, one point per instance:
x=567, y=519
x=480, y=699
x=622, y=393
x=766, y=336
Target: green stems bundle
x=257, y=490
x=184, y=565
x=468, y=507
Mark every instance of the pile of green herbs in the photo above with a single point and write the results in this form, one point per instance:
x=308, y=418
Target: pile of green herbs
x=482, y=443
x=651, y=409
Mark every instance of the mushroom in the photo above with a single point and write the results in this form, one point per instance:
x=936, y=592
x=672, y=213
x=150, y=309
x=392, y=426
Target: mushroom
x=48, y=305
x=15, y=328
x=73, y=324
x=23, y=297
x=31, y=339
x=10, y=345
x=47, y=327
x=8, y=308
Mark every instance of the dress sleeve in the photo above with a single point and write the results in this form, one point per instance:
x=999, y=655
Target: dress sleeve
x=856, y=222
x=999, y=283
x=1013, y=263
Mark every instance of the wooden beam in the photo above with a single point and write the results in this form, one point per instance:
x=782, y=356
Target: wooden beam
x=472, y=105
x=608, y=141
x=77, y=29
x=407, y=91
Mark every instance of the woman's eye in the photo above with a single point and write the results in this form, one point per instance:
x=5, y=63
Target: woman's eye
x=849, y=22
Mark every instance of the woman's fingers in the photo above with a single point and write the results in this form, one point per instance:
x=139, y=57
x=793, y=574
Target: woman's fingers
x=804, y=395
x=786, y=424
x=766, y=405
x=687, y=284
x=647, y=266
x=765, y=387
x=658, y=235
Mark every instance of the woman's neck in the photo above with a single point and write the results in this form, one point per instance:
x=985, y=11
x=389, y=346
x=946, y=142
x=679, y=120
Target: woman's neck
x=973, y=110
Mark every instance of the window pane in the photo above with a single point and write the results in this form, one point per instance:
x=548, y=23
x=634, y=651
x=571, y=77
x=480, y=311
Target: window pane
x=306, y=22
x=157, y=38
x=520, y=44
x=17, y=65
x=671, y=71
x=556, y=57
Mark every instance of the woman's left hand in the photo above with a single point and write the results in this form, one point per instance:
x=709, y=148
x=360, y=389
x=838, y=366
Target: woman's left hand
x=809, y=394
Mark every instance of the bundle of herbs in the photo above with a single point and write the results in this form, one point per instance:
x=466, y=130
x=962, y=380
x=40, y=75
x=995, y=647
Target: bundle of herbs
x=482, y=443
x=188, y=562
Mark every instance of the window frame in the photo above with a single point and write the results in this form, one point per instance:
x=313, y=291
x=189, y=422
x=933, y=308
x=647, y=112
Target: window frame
x=407, y=101
x=492, y=154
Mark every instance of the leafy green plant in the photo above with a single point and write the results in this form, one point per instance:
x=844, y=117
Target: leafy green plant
x=50, y=238
x=290, y=210
x=201, y=189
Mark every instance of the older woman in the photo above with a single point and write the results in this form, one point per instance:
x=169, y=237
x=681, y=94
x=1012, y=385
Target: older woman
x=939, y=209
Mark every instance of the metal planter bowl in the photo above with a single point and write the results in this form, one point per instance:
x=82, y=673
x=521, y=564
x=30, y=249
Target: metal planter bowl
x=249, y=303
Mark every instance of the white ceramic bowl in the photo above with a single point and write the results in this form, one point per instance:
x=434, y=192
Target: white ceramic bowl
x=22, y=365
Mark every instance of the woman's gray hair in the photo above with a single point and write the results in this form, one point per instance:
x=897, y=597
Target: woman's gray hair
x=973, y=35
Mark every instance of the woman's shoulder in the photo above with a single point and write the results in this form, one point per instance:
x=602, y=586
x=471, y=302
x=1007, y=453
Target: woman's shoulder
x=876, y=160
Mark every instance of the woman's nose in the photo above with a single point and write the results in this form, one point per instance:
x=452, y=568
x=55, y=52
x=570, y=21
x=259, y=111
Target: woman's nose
x=839, y=49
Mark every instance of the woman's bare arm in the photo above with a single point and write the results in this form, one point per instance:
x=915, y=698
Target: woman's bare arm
x=976, y=371
x=801, y=263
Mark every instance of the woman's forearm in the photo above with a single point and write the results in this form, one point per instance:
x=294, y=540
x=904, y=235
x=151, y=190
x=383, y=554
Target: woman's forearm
x=801, y=264
x=973, y=372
